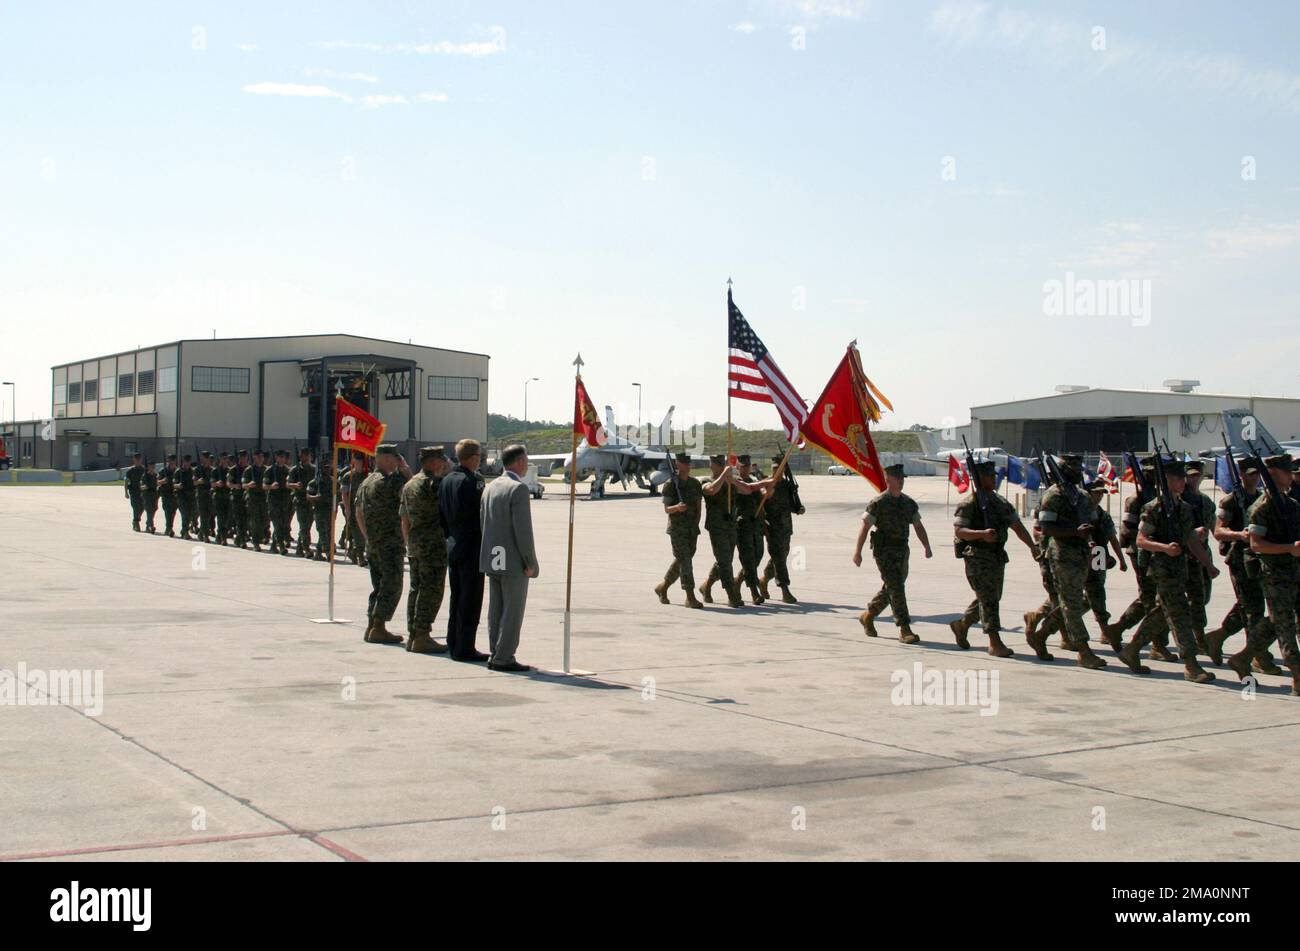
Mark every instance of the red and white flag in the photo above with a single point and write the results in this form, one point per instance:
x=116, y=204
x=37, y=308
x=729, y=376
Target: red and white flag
x=1106, y=472
x=957, y=475
x=752, y=374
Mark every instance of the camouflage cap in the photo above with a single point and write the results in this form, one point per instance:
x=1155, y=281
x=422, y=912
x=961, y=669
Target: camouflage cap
x=1071, y=458
x=1148, y=462
x=1248, y=464
x=683, y=457
x=1282, y=461
x=895, y=470
x=718, y=460
x=743, y=460
x=1175, y=467
x=1096, y=485
x=432, y=452
x=986, y=467
x=1194, y=467
x=386, y=449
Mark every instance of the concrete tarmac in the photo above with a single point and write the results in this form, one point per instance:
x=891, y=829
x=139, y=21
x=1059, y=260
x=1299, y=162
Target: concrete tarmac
x=234, y=728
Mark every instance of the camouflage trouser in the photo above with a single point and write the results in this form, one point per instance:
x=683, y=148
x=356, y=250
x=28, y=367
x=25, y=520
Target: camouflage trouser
x=1070, y=574
x=1172, y=611
x=207, y=515
x=683, y=553
x=150, y=507
x=280, y=509
x=322, y=513
x=137, y=507
x=169, y=511
x=387, y=562
x=239, y=517
x=1198, y=594
x=1144, y=603
x=1094, y=590
x=306, y=516
x=188, y=513
x=984, y=574
x=257, y=517
x=891, y=562
x=356, y=544
x=749, y=546
x=428, y=581
x=1249, y=611
x=1281, y=592
x=221, y=511
x=778, y=545
x=1049, y=613
x=723, y=543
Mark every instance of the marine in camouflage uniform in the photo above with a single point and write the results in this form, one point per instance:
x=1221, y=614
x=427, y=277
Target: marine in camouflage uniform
x=749, y=531
x=1198, y=578
x=320, y=494
x=1063, y=517
x=149, y=496
x=185, y=496
x=779, y=508
x=300, y=476
x=221, y=497
x=279, y=501
x=352, y=479
x=1273, y=540
x=238, y=499
x=377, y=512
x=683, y=500
x=982, y=545
x=893, y=515
x=132, y=485
x=1145, y=602
x=167, y=480
x=1104, y=541
x=1168, y=569
x=205, y=509
x=426, y=547
x=255, y=499
x=1249, y=609
x=720, y=522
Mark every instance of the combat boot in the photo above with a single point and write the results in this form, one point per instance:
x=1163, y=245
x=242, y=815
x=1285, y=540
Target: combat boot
x=1265, y=664
x=1089, y=660
x=691, y=600
x=786, y=596
x=868, y=621
x=1110, y=634
x=424, y=644
x=959, y=629
x=768, y=574
x=135, y=526
x=1132, y=659
x=997, y=648
x=733, y=595
x=1240, y=662
x=1201, y=646
x=1195, y=672
x=706, y=590
x=1037, y=642
x=1295, y=679
x=379, y=634
x=905, y=635
x=661, y=589
x=754, y=594
x=1160, y=652
x=1213, y=645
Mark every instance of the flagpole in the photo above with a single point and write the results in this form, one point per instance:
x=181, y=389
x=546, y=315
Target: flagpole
x=334, y=513
x=573, y=501
x=776, y=476
x=730, y=504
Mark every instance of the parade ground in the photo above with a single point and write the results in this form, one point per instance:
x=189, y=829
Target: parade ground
x=230, y=726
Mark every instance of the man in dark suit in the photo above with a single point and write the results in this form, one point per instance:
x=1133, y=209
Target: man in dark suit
x=459, y=496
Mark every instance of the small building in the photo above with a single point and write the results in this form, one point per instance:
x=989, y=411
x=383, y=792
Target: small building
x=1085, y=419
x=258, y=392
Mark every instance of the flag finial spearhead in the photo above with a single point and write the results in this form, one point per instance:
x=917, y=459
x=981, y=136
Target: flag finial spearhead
x=577, y=362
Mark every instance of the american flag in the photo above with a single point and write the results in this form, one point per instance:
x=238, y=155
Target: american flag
x=752, y=374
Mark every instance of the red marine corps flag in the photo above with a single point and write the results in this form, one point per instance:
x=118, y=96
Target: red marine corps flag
x=585, y=418
x=840, y=422
x=354, y=428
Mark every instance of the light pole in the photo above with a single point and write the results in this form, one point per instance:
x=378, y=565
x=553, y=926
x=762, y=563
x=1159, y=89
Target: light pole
x=638, y=409
x=526, y=382
x=16, y=462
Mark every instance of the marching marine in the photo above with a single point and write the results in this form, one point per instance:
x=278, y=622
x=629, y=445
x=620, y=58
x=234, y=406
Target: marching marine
x=133, y=485
x=683, y=498
x=749, y=530
x=781, y=503
x=894, y=516
x=720, y=522
x=1273, y=540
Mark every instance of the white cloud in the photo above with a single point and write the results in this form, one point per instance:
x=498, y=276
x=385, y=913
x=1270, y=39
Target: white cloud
x=431, y=97
x=831, y=9
x=374, y=102
x=248, y=47
x=351, y=77
x=1252, y=236
x=745, y=27
x=444, y=48
x=295, y=89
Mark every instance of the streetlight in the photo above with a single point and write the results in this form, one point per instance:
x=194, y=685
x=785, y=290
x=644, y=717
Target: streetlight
x=18, y=443
x=638, y=409
x=526, y=382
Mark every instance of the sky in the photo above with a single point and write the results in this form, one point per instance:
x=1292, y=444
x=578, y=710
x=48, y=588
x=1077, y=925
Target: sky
x=533, y=180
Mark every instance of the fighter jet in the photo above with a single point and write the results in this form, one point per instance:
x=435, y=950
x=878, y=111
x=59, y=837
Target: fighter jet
x=620, y=458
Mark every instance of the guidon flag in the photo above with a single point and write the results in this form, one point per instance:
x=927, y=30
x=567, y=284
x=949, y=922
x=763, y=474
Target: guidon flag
x=840, y=421
x=354, y=428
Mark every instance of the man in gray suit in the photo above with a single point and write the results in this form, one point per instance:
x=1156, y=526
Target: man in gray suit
x=507, y=557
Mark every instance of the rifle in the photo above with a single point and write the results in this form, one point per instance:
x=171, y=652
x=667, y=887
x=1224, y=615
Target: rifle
x=1072, y=491
x=1228, y=549
x=1275, y=497
x=795, y=503
x=981, y=498
x=672, y=475
x=1168, y=505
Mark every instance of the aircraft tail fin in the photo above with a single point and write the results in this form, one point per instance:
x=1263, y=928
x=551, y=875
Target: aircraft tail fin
x=664, y=433
x=929, y=442
x=1243, y=427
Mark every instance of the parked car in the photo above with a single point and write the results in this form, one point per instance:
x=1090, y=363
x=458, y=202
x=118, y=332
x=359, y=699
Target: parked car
x=838, y=470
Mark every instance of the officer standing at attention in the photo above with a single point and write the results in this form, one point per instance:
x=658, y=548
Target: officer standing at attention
x=185, y=494
x=221, y=497
x=204, y=508
x=133, y=486
x=300, y=476
x=255, y=499
x=683, y=499
x=1063, y=519
x=149, y=495
x=781, y=504
x=350, y=482
x=982, y=545
x=376, y=509
x=320, y=493
x=279, y=500
x=893, y=515
x=426, y=548
x=238, y=499
x=720, y=523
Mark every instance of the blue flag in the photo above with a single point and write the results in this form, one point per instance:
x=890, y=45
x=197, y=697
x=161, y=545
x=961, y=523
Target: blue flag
x=1015, y=470
x=1222, y=474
